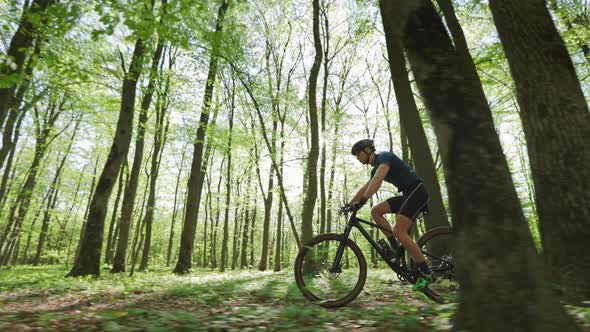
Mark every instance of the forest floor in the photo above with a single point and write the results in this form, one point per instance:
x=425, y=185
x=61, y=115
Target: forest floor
x=40, y=299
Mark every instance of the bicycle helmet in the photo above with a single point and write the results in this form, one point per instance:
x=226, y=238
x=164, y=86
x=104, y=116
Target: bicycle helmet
x=361, y=145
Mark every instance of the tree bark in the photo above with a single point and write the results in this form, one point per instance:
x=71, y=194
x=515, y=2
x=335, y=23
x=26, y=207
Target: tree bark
x=412, y=128
x=311, y=170
x=224, y=244
x=44, y=130
x=159, y=141
x=196, y=179
x=88, y=261
x=174, y=210
x=488, y=222
x=114, y=221
x=556, y=125
x=21, y=42
x=53, y=196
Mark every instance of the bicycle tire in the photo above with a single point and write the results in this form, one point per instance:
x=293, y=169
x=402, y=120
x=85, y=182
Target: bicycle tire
x=362, y=264
x=422, y=242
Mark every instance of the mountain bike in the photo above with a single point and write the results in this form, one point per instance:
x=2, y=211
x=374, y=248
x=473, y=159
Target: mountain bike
x=331, y=270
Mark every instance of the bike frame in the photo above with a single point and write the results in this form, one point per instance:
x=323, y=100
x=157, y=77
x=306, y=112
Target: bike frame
x=398, y=265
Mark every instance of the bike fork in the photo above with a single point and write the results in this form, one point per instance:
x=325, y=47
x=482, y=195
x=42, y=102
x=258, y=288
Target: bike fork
x=336, y=268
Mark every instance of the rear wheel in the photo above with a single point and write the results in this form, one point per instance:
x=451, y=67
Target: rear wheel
x=316, y=279
x=437, y=246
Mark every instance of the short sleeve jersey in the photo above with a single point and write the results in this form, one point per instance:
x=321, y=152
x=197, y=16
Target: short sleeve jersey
x=400, y=174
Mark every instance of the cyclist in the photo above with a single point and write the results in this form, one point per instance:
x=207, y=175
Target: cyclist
x=390, y=168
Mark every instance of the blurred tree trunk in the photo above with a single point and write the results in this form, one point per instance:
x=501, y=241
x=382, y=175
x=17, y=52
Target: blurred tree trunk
x=487, y=218
x=556, y=125
x=413, y=130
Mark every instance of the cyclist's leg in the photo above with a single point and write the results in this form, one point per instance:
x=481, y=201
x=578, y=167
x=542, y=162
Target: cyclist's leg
x=378, y=213
x=392, y=205
x=412, y=204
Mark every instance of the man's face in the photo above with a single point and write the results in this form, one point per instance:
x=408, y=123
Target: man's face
x=363, y=157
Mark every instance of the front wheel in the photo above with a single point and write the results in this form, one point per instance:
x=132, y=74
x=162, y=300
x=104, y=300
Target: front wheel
x=438, y=249
x=319, y=282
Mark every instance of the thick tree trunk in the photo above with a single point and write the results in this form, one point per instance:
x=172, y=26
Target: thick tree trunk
x=311, y=169
x=556, y=125
x=413, y=129
x=196, y=179
x=88, y=261
x=119, y=262
x=487, y=218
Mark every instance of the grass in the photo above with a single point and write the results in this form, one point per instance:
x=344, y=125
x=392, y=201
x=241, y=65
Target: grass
x=39, y=298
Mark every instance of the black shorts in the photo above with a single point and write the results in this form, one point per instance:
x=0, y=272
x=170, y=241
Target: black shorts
x=411, y=204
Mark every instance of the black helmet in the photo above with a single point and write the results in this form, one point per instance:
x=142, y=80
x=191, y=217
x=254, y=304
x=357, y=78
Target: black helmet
x=361, y=145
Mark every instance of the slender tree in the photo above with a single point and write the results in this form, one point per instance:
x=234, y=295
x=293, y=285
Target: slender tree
x=311, y=170
x=196, y=178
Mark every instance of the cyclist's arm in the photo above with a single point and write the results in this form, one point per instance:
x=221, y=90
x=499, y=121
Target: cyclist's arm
x=376, y=180
x=360, y=193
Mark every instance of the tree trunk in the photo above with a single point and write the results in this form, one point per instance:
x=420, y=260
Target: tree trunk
x=119, y=262
x=114, y=221
x=174, y=210
x=6, y=178
x=268, y=198
x=413, y=129
x=88, y=262
x=556, y=125
x=81, y=237
x=53, y=196
x=326, y=73
x=44, y=129
x=235, y=244
x=224, y=245
x=159, y=141
x=244, y=247
x=21, y=42
x=311, y=170
x=253, y=228
x=196, y=179
x=487, y=218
